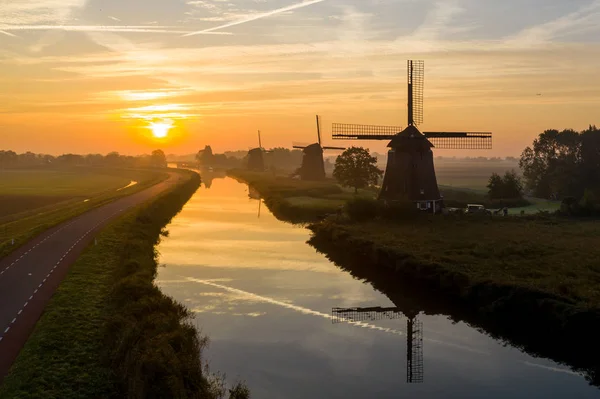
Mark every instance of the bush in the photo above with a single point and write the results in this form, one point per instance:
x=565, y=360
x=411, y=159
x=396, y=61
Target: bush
x=361, y=209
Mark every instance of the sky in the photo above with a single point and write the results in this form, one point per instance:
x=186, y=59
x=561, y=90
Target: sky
x=94, y=76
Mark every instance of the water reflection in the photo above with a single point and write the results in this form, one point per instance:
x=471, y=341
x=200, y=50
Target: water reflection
x=265, y=299
x=414, y=333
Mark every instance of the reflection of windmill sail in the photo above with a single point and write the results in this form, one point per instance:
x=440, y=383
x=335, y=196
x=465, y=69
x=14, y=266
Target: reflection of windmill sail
x=410, y=173
x=313, y=166
x=255, y=195
x=414, y=333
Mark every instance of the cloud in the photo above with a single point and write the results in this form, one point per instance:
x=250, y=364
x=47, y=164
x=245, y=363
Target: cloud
x=583, y=20
x=255, y=17
x=102, y=28
x=38, y=11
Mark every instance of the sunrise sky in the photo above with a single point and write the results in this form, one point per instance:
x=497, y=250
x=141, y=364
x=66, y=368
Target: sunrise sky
x=94, y=75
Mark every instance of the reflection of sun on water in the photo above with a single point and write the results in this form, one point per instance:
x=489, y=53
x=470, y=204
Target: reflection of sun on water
x=160, y=130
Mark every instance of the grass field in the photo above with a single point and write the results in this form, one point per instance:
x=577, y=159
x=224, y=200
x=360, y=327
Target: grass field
x=558, y=257
x=27, y=210
x=109, y=331
x=26, y=189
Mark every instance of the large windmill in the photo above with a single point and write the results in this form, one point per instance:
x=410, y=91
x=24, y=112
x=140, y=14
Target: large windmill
x=313, y=166
x=410, y=174
x=414, y=333
x=256, y=159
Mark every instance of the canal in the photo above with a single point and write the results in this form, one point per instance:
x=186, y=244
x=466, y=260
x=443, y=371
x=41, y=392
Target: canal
x=264, y=298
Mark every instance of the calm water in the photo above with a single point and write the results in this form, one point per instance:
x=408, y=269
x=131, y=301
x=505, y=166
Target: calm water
x=265, y=298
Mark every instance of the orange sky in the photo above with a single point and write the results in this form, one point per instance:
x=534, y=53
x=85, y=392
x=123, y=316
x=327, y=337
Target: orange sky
x=102, y=72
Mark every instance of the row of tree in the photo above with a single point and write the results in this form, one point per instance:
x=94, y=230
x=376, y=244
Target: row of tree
x=10, y=159
x=279, y=158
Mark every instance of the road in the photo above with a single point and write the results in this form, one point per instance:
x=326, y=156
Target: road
x=30, y=275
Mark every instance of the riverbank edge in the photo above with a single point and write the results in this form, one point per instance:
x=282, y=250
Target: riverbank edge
x=109, y=331
x=280, y=207
x=541, y=314
x=68, y=211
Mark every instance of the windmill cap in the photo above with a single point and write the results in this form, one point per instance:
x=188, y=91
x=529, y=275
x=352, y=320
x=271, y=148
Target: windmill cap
x=410, y=135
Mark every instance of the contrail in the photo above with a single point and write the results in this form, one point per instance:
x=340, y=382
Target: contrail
x=7, y=33
x=306, y=311
x=257, y=16
x=6, y=29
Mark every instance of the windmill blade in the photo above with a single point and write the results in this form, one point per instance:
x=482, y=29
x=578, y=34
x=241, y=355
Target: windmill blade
x=340, y=315
x=344, y=131
x=299, y=145
x=259, y=141
x=334, y=148
x=416, y=79
x=319, y=129
x=460, y=140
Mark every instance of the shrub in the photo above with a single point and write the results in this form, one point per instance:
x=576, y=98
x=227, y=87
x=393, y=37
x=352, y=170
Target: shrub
x=362, y=209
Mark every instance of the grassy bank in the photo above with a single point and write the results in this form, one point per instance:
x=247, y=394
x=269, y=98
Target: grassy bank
x=108, y=331
x=77, y=190
x=538, y=274
x=295, y=200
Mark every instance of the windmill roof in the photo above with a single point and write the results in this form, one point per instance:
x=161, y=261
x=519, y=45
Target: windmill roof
x=316, y=147
x=410, y=137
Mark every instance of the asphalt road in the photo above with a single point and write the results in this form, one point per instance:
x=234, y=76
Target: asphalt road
x=30, y=275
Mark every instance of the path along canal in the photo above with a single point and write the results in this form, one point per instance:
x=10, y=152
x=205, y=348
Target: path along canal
x=265, y=299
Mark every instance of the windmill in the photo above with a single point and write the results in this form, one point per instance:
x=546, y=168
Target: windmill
x=256, y=160
x=410, y=173
x=313, y=166
x=414, y=333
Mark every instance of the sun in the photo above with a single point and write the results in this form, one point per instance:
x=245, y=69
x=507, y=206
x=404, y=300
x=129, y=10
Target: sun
x=160, y=130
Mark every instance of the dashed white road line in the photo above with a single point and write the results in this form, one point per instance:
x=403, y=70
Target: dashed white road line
x=57, y=263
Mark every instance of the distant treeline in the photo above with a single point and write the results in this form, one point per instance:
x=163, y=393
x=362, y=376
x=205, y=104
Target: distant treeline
x=279, y=159
x=10, y=159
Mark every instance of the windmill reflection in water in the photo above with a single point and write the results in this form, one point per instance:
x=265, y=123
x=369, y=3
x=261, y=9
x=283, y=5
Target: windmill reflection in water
x=414, y=332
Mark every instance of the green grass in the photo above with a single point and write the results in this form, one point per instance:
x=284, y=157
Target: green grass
x=108, y=331
x=548, y=255
x=24, y=225
x=295, y=200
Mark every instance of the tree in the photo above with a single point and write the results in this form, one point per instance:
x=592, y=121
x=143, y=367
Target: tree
x=356, y=168
x=563, y=163
x=495, y=186
x=507, y=187
x=205, y=156
x=158, y=159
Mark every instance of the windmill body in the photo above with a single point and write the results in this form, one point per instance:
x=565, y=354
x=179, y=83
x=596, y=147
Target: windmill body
x=313, y=165
x=410, y=172
x=256, y=159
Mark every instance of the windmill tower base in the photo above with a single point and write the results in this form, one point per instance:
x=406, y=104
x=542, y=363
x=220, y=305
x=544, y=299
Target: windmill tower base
x=410, y=176
x=256, y=160
x=313, y=166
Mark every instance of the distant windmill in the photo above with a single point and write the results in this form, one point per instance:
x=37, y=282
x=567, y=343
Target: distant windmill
x=256, y=160
x=414, y=333
x=410, y=174
x=313, y=166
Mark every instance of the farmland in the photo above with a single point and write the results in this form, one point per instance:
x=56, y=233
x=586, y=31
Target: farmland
x=32, y=200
